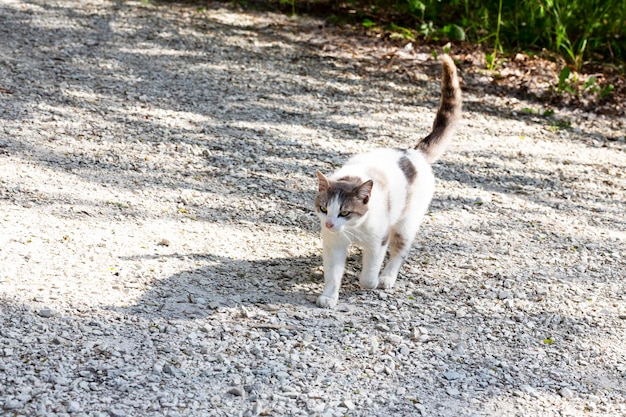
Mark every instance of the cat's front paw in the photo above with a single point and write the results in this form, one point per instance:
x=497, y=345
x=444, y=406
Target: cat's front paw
x=327, y=302
x=386, y=282
x=368, y=282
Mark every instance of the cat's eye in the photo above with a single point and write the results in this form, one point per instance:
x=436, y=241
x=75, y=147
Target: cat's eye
x=323, y=209
x=344, y=213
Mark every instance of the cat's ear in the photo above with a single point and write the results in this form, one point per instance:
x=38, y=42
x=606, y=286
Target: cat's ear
x=365, y=191
x=323, y=182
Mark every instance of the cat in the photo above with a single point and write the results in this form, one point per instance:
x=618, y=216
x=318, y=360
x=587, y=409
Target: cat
x=377, y=200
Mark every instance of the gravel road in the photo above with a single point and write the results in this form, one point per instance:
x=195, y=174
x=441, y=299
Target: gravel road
x=159, y=255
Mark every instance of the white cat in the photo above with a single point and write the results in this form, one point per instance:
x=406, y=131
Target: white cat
x=378, y=199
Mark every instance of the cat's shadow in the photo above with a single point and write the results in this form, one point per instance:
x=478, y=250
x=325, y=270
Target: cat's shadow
x=223, y=282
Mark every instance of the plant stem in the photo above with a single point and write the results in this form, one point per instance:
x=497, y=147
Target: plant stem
x=497, y=46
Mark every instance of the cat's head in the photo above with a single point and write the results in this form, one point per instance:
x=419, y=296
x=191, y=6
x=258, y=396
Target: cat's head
x=342, y=203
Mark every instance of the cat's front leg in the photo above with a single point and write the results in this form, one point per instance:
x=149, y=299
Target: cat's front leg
x=334, y=254
x=373, y=258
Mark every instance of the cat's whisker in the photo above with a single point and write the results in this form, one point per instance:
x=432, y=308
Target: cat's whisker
x=351, y=235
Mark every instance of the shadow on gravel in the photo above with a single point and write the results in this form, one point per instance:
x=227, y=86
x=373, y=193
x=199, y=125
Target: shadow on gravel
x=238, y=94
x=252, y=87
x=228, y=282
x=552, y=189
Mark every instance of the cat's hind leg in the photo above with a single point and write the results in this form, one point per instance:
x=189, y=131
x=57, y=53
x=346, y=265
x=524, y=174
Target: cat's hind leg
x=403, y=232
x=401, y=239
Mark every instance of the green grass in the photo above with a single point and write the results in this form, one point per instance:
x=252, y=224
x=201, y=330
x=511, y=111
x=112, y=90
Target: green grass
x=579, y=31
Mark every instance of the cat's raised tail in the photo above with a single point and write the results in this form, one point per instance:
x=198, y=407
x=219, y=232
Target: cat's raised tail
x=448, y=115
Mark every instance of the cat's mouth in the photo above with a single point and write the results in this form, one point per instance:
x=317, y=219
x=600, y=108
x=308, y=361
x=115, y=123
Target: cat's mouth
x=332, y=228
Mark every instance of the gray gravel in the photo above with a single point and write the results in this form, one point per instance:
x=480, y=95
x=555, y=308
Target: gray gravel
x=159, y=254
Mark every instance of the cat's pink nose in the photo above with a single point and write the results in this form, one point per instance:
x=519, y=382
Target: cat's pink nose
x=330, y=224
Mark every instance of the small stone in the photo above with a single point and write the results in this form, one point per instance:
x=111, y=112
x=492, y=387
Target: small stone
x=316, y=407
x=24, y=398
x=566, y=393
x=527, y=389
x=345, y=308
x=236, y=391
x=56, y=340
x=290, y=393
x=452, y=375
x=114, y=412
x=164, y=242
x=282, y=376
x=373, y=345
x=169, y=369
x=251, y=388
x=12, y=404
x=245, y=312
x=157, y=368
x=453, y=392
x=62, y=381
x=46, y=313
x=257, y=408
x=347, y=404
x=504, y=294
x=382, y=327
x=73, y=407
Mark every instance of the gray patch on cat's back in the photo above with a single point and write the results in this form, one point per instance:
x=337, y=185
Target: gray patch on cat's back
x=408, y=169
